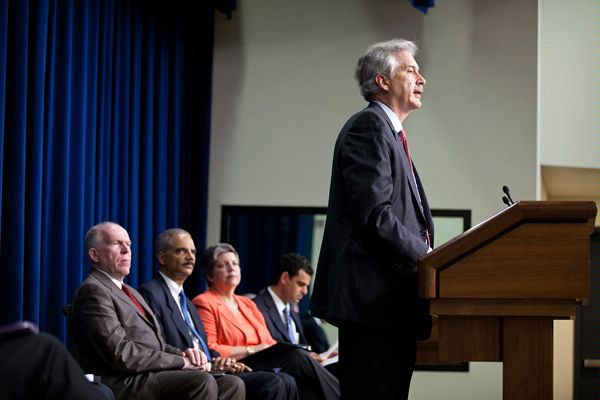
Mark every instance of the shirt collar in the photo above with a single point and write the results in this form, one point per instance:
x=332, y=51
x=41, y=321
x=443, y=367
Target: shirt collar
x=112, y=278
x=278, y=302
x=173, y=286
x=396, y=123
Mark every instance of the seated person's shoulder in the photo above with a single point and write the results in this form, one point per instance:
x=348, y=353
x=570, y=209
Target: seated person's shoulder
x=259, y=297
x=151, y=294
x=148, y=287
x=203, y=299
x=89, y=289
x=247, y=301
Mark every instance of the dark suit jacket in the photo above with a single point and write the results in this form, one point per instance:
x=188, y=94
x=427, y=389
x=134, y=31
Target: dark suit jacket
x=157, y=294
x=267, y=307
x=375, y=231
x=111, y=338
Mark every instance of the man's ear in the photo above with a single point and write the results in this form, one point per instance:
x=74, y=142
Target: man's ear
x=93, y=255
x=383, y=82
x=160, y=256
x=284, y=278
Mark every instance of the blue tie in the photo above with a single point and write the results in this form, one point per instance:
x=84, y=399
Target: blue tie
x=288, y=324
x=190, y=324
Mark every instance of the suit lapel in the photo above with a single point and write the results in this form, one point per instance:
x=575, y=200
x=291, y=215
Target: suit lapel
x=175, y=313
x=110, y=285
x=399, y=151
x=274, y=315
x=226, y=313
x=149, y=317
x=298, y=322
x=426, y=210
x=417, y=194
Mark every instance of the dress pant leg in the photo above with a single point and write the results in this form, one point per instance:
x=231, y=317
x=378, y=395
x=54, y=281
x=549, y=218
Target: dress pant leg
x=105, y=390
x=375, y=364
x=291, y=388
x=263, y=385
x=186, y=384
x=313, y=381
x=230, y=387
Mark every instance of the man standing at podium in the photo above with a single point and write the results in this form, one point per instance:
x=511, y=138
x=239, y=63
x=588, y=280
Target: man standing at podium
x=378, y=226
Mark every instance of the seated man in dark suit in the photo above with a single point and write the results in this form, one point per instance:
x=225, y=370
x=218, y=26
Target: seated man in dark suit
x=116, y=335
x=276, y=302
x=39, y=366
x=182, y=327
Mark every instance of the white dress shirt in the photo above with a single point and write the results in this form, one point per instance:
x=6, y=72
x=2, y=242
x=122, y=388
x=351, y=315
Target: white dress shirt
x=112, y=278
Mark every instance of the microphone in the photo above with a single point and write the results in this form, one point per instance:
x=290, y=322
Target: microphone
x=506, y=201
x=507, y=192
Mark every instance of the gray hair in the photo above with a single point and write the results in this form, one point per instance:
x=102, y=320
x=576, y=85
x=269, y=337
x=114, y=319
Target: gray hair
x=212, y=254
x=163, y=242
x=95, y=236
x=379, y=59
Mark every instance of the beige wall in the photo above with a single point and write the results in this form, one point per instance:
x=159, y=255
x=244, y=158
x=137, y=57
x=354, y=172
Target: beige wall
x=568, y=127
x=569, y=83
x=283, y=87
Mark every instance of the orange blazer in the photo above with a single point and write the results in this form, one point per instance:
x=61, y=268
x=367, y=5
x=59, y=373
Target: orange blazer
x=223, y=331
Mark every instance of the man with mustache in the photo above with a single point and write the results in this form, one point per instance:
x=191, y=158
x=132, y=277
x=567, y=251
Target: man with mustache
x=182, y=327
x=378, y=225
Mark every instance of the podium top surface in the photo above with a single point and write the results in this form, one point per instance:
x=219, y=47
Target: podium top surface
x=532, y=249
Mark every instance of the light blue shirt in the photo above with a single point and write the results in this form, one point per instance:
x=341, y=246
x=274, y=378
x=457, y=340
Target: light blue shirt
x=396, y=123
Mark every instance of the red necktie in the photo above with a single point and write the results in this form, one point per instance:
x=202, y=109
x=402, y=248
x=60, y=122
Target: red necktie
x=404, y=141
x=137, y=303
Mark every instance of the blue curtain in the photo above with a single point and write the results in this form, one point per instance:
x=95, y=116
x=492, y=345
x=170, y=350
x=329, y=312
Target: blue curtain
x=104, y=115
x=261, y=235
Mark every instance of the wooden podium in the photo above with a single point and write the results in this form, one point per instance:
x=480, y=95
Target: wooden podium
x=497, y=288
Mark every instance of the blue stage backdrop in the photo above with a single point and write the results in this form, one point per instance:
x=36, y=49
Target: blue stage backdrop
x=104, y=115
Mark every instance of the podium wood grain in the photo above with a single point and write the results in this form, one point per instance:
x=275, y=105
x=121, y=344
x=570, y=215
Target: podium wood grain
x=496, y=289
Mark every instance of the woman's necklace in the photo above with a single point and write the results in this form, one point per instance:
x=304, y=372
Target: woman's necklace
x=231, y=303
